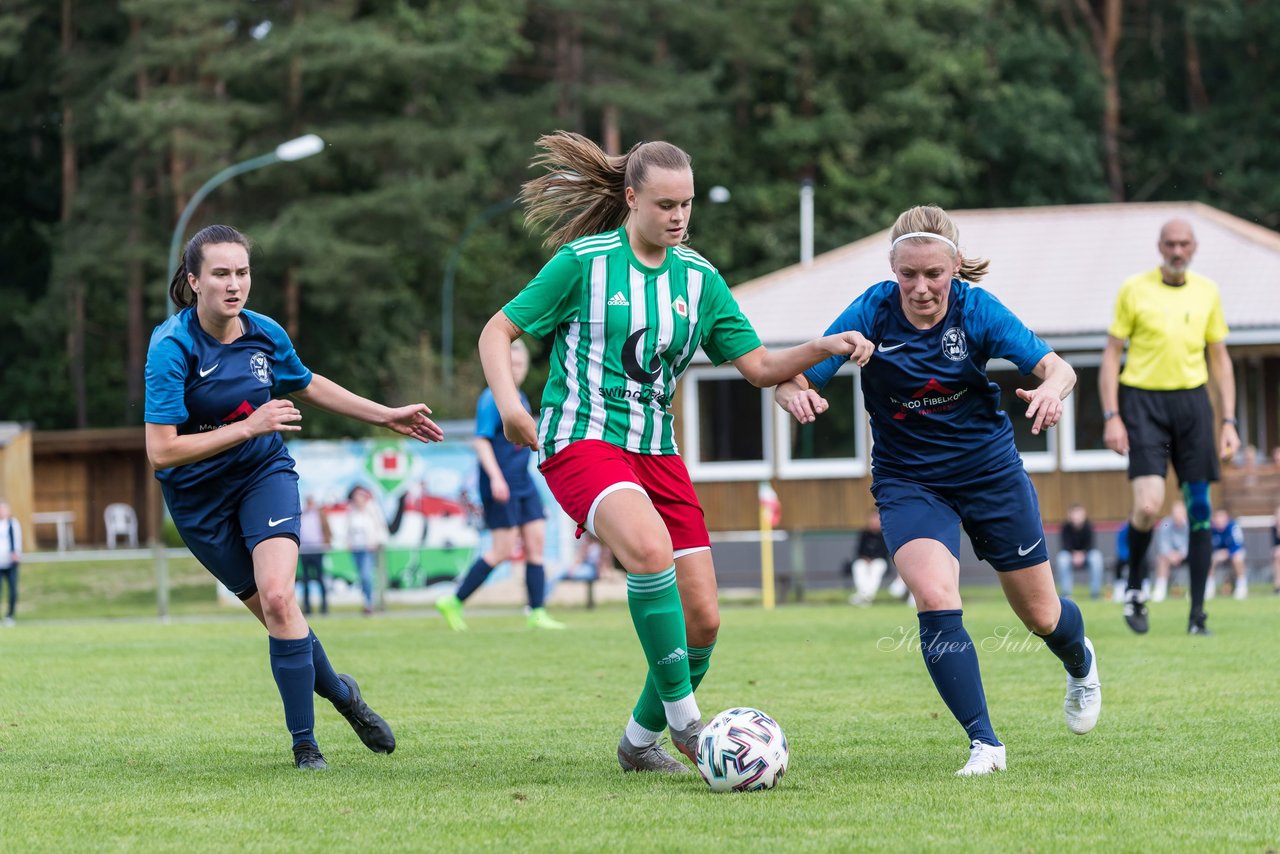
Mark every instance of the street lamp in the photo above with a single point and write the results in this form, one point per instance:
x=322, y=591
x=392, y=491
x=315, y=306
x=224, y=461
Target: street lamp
x=446, y=292
x=294, y=149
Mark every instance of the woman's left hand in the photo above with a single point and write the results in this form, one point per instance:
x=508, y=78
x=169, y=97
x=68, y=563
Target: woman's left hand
x=1044, y=406
x=412, y=421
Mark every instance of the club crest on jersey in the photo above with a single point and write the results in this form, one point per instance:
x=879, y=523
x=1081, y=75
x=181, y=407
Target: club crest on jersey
x=259, y=367
x=954, y=346
x=680, y=307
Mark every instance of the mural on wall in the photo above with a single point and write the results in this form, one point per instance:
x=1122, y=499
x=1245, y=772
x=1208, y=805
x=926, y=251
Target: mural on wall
x=429, y=497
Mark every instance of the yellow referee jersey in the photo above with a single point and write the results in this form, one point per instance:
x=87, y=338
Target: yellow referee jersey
x=1167, y=328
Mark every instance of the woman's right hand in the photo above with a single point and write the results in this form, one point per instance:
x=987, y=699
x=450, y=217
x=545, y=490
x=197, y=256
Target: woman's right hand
x=804, y=404
x=275, y=416
x=520, y=429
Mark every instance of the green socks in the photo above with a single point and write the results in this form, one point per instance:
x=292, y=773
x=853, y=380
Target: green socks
x=649, y=711
x=654, y=602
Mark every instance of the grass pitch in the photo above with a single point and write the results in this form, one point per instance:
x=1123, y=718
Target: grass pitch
x=130, y=735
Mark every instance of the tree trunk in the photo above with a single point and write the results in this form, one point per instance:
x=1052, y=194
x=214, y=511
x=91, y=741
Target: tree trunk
x=75, y=288
x=612, y=134
x=292, y=291
x=1195, y=78
x=135, y=275
x=1104, y=27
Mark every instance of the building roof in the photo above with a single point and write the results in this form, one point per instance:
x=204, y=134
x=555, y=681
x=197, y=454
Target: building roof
x=1058, y=268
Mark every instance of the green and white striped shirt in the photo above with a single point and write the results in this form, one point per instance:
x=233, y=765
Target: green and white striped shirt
x=624, y=334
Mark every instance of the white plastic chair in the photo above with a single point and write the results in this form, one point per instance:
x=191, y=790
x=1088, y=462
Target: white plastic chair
x=121, y=521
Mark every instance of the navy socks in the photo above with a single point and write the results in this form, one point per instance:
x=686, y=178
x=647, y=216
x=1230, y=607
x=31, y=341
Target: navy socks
x=476, y=576
x=952, y=661
x=535, y=584
x=1067, y=640
x=293, y=667
x=328, y=685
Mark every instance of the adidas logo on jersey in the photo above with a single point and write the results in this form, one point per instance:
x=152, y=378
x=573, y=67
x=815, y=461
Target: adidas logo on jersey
x=618, y=299
x=676, y=655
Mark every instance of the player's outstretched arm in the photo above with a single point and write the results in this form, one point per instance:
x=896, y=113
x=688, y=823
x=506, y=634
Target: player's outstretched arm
x=495, y=357
x=803, y=402
x=764, y=368
x=166, y=449
x=1044, y=402
x=411, y=420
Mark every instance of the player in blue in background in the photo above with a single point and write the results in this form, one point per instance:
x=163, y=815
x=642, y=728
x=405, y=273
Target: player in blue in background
x=512, y=508
x=213, y=433
x=944, y=456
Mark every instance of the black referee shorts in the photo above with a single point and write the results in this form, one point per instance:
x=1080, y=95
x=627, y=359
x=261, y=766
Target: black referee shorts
x=1170, y=425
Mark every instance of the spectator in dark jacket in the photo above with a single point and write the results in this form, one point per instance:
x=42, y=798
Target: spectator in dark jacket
x=1078, y=551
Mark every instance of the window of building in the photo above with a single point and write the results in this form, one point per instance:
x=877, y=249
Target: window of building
x=834, y=445
x=727, y=434
x=1081, y=427
x=1039, y=452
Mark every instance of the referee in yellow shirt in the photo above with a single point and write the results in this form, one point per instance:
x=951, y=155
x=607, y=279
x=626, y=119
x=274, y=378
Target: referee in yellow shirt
x=1158, y=407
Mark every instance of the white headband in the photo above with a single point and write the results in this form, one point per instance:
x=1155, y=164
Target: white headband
x=928, y=234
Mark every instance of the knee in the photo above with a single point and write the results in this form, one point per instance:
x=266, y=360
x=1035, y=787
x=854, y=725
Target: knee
x=1042, y=619
x=703, y=625
x=1146, y=512
x=277, y=603
x=646, y=557
x=936, y=597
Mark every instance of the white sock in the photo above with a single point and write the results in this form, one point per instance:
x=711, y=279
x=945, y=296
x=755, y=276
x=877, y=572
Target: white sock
x=680, y=712
x=638, y=735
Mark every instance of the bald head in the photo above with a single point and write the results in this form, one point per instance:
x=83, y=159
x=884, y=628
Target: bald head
x=1177, y=244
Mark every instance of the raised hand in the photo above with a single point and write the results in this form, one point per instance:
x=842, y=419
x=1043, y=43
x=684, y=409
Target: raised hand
x=1045, y=407
x=412, y=421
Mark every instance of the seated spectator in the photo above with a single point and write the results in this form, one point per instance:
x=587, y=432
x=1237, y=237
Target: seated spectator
x=1228, y=548
x=870, y=560
x=1171, y=541
x=1078, y=552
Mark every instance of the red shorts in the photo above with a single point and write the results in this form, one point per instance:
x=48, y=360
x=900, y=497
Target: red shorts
x=580, y=472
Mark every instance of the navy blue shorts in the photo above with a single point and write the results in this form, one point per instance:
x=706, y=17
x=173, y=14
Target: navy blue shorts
x=1000, y=513
x=516, y=511
x=222, y=526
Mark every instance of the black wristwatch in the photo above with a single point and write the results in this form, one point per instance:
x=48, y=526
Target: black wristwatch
x=1108, y=414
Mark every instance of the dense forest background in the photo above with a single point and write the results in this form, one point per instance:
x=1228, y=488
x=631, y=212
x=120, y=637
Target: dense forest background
x=114, y=112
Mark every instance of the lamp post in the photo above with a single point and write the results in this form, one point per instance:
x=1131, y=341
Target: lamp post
x=294, y=149
x=446, y=291
x=806, y=222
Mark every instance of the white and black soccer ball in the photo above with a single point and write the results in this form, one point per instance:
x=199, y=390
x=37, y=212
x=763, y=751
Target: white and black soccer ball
x=742, y=750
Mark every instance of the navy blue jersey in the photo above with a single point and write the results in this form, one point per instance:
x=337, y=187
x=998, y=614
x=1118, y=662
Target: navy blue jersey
x=935, y=416
x=197, y=383
x=513, y=460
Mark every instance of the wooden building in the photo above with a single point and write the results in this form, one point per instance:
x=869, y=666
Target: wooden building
x=1057, y=268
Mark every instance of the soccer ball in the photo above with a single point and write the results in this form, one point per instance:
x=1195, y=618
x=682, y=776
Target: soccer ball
x=742, y=750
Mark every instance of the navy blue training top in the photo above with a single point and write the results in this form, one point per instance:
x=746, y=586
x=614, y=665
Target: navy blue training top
x=513, y=460
x=935, y=416
x=198, y=384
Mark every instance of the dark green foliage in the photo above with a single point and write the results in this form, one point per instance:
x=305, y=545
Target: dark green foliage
x=430, y=109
